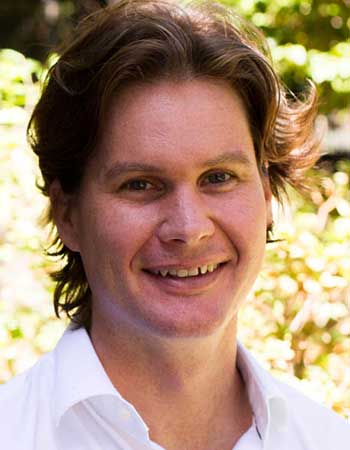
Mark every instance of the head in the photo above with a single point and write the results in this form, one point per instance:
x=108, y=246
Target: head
x=138, y=43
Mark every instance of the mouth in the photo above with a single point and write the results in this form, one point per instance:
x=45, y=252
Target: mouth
x=188, y=281
x=198, y=271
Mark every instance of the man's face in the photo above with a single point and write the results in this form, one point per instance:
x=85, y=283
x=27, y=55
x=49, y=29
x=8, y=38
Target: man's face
x=173, y=191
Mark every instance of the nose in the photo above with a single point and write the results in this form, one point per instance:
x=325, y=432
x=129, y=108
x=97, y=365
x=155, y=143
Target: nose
x=186, y=219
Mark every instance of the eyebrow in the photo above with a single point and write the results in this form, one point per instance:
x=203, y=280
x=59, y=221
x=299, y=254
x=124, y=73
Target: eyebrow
x=230, y=157
x=118, y=169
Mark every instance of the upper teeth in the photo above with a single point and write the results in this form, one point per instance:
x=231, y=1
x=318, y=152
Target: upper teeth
x=187, y=272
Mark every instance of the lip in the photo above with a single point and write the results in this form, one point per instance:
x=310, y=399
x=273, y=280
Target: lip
x=187, y=285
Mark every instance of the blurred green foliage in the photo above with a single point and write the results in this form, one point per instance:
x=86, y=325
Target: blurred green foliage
x=299, y=307
x=309, y=38
x=27, y=324
x=296, y=320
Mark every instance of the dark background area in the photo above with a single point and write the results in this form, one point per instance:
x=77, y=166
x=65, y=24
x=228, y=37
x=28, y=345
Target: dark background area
x=35, y=27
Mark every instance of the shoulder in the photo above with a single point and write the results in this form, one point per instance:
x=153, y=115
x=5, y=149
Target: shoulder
x=295, y=421
x=23, y=400
x=308, y=408
x=31, y=380
x=317, y=425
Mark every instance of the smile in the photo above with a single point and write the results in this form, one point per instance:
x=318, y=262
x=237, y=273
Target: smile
x=183, y=273
x=190, y=281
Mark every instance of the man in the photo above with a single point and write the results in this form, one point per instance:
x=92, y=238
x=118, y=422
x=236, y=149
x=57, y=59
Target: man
x=162, y=134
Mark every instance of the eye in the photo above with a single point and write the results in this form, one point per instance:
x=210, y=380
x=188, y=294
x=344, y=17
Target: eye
x=137, y=185
x=218, y=178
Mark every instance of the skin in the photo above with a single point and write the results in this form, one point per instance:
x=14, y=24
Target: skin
x=203, y=200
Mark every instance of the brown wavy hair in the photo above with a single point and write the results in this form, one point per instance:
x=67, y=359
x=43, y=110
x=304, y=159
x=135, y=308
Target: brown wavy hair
x=144, y=41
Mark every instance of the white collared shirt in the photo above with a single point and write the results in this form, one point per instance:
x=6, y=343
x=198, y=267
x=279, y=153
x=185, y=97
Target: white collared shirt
x=67, y=402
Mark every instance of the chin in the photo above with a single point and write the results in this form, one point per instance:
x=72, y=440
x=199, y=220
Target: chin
x=188, y=329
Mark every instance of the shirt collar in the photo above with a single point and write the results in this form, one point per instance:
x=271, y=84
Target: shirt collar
x=268, y=403
x=79, y=374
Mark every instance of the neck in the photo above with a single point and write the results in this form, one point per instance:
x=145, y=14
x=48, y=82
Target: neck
x=197, y=377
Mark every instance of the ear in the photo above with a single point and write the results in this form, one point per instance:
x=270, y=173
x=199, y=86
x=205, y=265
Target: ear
x=63, y=215
x=268, y=198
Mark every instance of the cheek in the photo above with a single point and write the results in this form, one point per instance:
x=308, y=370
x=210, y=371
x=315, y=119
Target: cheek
x=115, y=231
x=244, y=216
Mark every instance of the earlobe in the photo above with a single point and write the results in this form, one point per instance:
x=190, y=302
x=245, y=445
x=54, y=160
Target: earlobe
x=269, y=215
x=62, y=213
x=268, y=199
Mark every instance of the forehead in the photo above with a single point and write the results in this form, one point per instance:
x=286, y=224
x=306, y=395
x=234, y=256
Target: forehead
x=177, y=123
